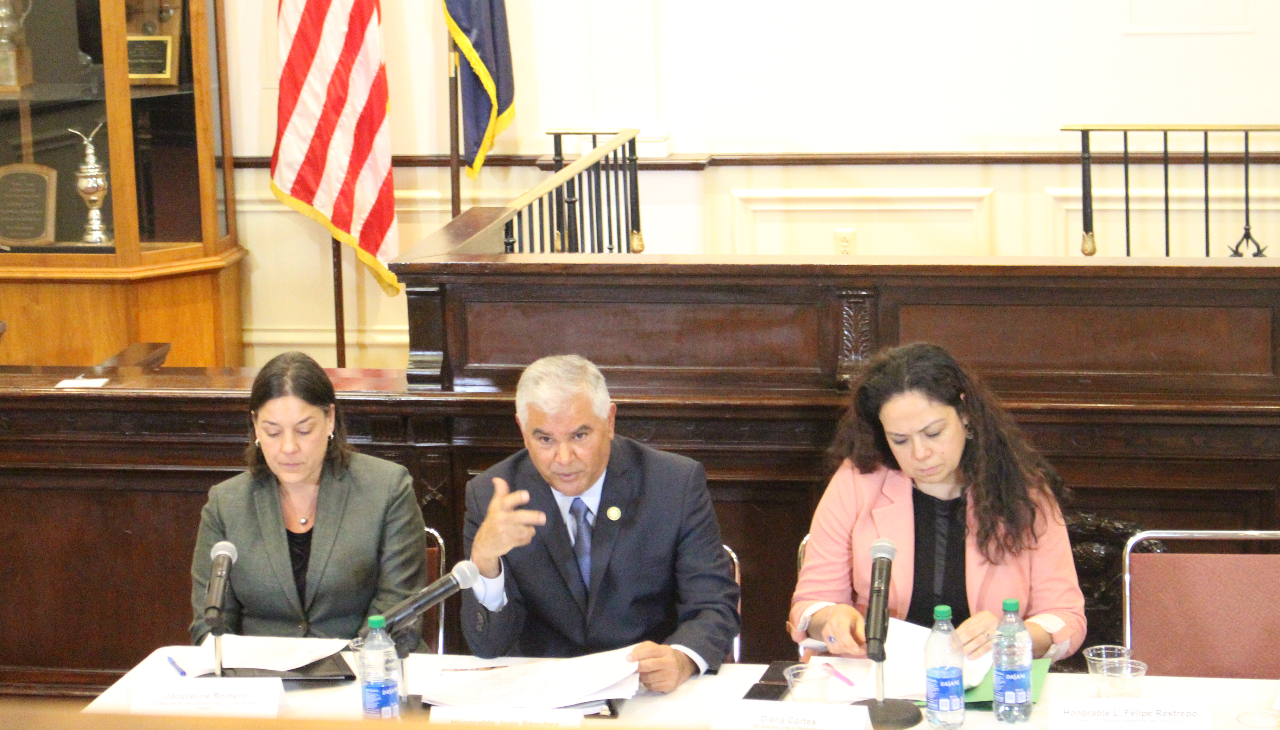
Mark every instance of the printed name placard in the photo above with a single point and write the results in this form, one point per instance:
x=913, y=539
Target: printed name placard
x=505, y=716
x=769, y=715
x=213, y=696
x=1130, y=714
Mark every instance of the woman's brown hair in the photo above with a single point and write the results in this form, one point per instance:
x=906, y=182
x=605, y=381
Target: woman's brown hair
x=998, y=469
x=296, y=374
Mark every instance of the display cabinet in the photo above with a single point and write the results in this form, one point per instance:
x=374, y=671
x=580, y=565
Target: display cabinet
x=117, y=217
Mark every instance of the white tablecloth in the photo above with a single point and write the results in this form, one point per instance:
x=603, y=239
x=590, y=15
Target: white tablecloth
x=693, y=705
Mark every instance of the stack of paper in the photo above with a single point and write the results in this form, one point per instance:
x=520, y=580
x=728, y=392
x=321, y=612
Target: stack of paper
x=903, y=666
x=270, y=653
x=541, y=684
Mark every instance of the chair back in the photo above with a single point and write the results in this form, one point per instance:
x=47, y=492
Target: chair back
x=735, y=654
x=1203, y=615
x=436, y=567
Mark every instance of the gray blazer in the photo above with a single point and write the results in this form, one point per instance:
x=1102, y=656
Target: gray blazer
x=658, y=572
x=368, y=552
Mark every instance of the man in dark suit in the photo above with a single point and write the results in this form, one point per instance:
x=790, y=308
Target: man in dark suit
x=618, y=545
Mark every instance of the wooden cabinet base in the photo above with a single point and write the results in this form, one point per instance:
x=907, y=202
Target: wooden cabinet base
x=82, y=316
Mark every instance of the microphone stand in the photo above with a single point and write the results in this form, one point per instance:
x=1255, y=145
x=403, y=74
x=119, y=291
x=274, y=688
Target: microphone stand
x=217, y=628
x=890, y=714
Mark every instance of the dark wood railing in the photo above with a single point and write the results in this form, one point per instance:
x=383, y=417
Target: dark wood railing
x=1088, y=245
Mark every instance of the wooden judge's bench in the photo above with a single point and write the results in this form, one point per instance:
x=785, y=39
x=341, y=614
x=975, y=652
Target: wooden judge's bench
x=1150, y=385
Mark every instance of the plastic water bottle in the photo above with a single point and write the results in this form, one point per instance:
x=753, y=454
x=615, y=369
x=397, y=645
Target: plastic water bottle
x=944, y=673
x=1012, y=659
x=379, y=673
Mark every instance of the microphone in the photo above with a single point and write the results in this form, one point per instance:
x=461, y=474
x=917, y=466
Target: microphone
x=885, y=714
x=877, y=627
x=224, y=555
x=464, y=575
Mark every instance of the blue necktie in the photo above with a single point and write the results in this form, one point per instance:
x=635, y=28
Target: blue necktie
x=582, y=538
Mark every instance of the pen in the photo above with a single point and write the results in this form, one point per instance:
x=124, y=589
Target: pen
x=175, y=666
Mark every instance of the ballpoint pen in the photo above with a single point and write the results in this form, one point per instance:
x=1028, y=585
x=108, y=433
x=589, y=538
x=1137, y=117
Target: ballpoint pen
x=174, y=664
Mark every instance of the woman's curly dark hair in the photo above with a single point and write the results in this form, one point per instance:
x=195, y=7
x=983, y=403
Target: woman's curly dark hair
x=998, y=469
x=296, y=374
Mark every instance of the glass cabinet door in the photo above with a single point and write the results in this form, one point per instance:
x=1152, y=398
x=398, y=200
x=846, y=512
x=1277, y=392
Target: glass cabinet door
x=54, y=137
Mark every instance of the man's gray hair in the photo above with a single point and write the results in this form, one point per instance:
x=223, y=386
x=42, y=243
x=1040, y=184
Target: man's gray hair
x=550, y=383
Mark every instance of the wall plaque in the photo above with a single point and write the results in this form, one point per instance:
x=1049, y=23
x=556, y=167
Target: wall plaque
x=28, y=199
x=154, y=31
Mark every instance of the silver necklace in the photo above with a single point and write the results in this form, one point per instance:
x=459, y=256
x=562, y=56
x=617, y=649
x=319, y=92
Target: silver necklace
x=302, y=521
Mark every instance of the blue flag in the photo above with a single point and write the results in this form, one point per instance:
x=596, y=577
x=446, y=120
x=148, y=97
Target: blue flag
x=479, y=28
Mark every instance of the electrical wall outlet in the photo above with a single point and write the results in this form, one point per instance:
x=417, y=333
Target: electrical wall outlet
x=845, y=240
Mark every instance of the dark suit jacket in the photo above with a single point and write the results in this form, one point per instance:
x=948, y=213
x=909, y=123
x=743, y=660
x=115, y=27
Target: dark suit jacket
x=368, y=553
x=658, y=573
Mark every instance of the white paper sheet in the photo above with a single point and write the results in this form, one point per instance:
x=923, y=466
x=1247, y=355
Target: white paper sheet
x=546, y=683
x=903, y=666
x=265, y=652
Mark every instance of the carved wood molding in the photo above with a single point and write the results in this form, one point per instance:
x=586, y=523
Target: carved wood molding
x=857, y=332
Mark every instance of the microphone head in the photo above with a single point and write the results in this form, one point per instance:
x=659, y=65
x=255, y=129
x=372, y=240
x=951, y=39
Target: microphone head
x=466, y=573
x=883, y=548
x=224, y=548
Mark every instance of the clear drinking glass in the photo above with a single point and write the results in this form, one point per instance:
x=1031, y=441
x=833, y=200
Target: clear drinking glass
x=1263, y=714
x=807, y=683
x=1121, y=678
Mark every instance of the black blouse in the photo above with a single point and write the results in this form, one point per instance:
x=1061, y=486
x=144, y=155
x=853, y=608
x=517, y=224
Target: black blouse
x=300, y=556
x=939, y=563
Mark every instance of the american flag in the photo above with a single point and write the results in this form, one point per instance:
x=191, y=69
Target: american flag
x=332, y=160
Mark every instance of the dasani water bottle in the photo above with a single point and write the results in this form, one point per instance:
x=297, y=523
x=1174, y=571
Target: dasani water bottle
x=944, y=673
x=1012, y=659
x=379, y=672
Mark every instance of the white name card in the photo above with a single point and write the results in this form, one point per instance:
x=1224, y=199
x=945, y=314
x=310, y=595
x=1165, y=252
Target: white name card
x=770, y=715
x=82, y=383
x=214, y=697
x=1130, y=714
x=505, y=716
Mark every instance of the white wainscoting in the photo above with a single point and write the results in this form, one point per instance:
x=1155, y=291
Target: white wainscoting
x=874, y=221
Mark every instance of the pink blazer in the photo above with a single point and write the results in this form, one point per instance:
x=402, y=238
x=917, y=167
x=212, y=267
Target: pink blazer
x=858, y=509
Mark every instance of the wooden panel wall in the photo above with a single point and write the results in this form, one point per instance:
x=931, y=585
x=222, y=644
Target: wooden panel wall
x=109, y=484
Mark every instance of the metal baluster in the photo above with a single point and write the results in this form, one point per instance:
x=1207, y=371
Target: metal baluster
x=635, y=241
x=570, y=242
x=624, y=206
x=597, y=208
x=1126, y=195
x=529, y=208
x=509, y=238
x=559, y=215
x=1206, y=194
x=1166, y=193
x=617, y=199
x=1088, y=246
x=607, y=173
x=542, y=226
x=1248, y=231
x=519, y=233
x=584, y=197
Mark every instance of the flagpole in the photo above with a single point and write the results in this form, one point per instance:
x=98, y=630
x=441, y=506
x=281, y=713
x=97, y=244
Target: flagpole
x=338, y=318
x=455, y=158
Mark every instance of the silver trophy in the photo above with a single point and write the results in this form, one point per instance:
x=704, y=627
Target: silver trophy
x=91, y=184
x=15, y=65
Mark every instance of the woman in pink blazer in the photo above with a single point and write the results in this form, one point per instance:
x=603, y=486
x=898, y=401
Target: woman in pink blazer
x=929, y=460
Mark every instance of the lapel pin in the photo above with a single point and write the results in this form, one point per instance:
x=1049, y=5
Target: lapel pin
x=614, y=513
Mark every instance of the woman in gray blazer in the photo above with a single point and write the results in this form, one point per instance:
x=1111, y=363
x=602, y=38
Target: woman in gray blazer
x=325, y=537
